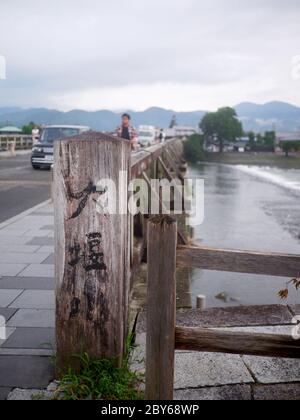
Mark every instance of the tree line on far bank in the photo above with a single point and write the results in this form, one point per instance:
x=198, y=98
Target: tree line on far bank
x=224, y=126
x=27, y=129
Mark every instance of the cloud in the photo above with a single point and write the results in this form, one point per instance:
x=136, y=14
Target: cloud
x=76, y=50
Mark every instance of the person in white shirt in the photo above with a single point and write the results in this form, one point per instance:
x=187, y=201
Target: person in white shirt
x=35, y=135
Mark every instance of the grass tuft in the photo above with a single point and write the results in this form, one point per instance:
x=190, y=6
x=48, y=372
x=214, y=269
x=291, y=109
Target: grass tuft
x=99, y=380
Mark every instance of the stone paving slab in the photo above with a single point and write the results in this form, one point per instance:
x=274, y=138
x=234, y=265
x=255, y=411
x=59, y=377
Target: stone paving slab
x=273, y=370
x=32, y=283
x=193, y=370
x=7, y=313
x=29, y=395
x=25, y=371
x=229, y=317
x=280, y=392
x=49, y=260
x=220, y=393
x=26, y=352
x=31, y=338
x=35, y=221
x=37, y=270
x=48, y=227
x=8, y=333
x=19, y=249
x=13, y=231
x=46, y=249
x=14, y=240
x=35, y=299
x=4, y=392
x=8, y=296
x=40, y=241
x=31, y=221
x=275, y=392
x=11, y=269
x=37, y=233
x=39, y=318
x=25, y=226
x=22, y=258
x=45, y=211
x=199, y=370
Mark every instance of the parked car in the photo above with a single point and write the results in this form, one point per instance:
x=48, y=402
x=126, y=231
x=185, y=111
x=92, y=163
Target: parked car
x=147, y=135
x=42, y=152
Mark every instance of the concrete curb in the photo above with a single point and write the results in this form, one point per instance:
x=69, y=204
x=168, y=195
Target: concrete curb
x=24, y=214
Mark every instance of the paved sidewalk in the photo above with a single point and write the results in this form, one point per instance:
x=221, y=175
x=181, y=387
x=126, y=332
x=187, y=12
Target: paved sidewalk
x=212, y=376
x=7, y=154
x=27, y=303
x=27, y=300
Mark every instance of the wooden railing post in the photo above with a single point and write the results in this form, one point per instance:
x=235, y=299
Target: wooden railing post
x=92, y=249
x=161, y=308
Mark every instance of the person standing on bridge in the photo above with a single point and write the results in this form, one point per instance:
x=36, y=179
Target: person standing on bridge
x=35, y=133
x=127, y=131
x=162, y=136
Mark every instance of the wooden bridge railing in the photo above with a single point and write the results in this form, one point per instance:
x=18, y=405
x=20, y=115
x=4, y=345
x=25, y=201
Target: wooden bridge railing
x=163, y=337
x=96, y=260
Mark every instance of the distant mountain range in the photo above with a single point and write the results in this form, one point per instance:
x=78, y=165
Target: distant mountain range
x=279, y=115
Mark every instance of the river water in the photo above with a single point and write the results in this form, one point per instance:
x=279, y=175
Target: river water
x=247, y=208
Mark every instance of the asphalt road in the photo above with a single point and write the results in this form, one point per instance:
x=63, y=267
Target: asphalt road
x=21, y=187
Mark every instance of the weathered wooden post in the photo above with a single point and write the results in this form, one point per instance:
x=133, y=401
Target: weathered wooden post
x=92, y=249
x=201, y=302
x=161, y=308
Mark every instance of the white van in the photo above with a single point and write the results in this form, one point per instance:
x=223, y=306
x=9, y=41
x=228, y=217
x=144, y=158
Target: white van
x=147, y=135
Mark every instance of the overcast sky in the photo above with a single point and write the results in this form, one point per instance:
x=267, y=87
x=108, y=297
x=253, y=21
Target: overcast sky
x=179, y=54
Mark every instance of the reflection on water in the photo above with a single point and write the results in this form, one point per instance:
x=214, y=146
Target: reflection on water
x=250, y=209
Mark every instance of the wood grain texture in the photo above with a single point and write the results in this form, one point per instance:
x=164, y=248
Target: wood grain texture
x=265, y=345
x=165, y=169
x=181, y=237
x=170, y=178
x=172, y=164
x=178, y=158
x=143, y=159
x=92, y=249
x=272, y=264
x=161, y=312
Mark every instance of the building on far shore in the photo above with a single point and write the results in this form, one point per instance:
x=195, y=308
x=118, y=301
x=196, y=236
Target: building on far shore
x=282, y=138
x=181, y=131
x=240, y=145
x=9, y=130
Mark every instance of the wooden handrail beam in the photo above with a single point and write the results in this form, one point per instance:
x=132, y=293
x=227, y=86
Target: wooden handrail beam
x=141, y=160
x=265, y=345
x=272, y=264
